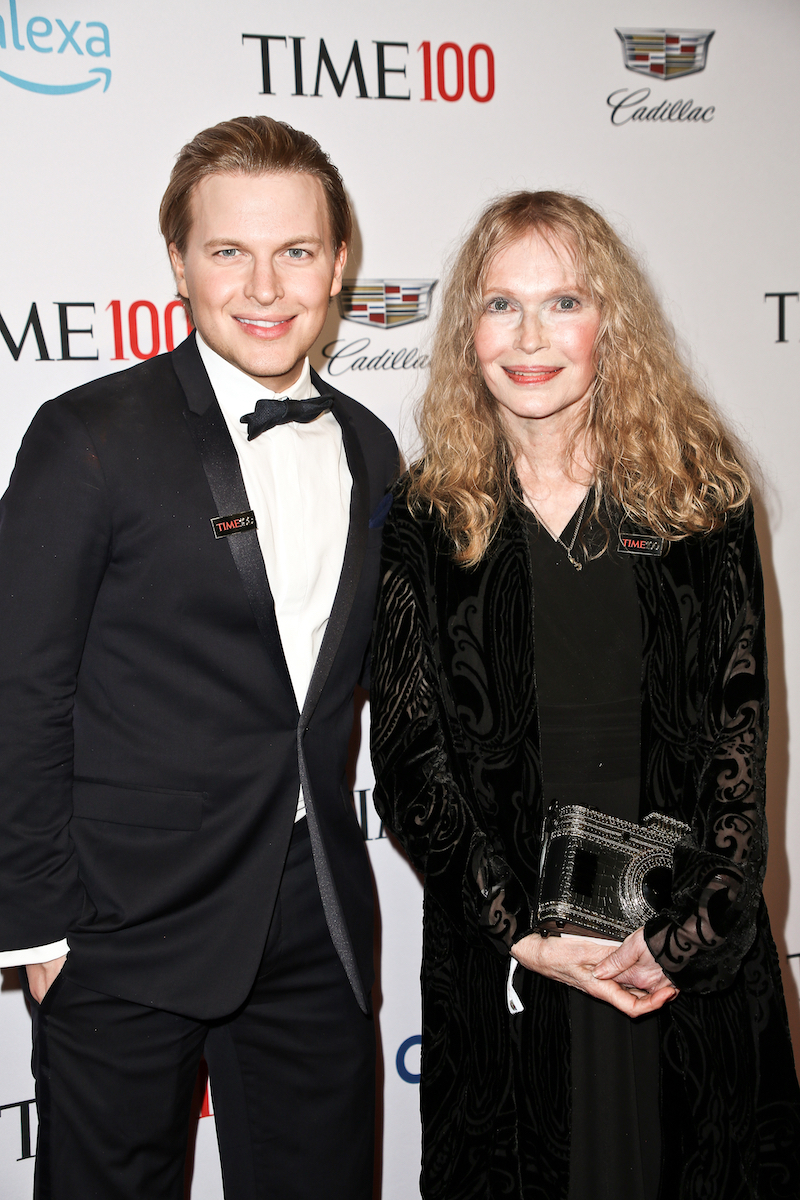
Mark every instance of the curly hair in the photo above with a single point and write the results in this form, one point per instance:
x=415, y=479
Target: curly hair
x=658, y=447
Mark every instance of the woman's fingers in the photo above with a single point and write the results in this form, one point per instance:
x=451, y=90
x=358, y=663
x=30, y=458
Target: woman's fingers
x=633, y=966
x=625, y=956
x=632, y=1003
x=582, y=963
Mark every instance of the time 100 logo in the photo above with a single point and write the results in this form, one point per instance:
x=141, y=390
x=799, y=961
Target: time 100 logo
x=449, y=72
x=144, y=328
x=450, y=55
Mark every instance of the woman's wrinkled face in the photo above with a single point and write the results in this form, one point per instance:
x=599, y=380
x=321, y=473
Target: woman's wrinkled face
x=536, y=336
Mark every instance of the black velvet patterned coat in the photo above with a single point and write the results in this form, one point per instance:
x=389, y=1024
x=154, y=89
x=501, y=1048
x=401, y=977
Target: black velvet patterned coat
x=456, y=752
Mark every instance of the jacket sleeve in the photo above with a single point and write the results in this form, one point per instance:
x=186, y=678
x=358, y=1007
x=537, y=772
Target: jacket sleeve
x=54, y=545
x=416, y=791
x=719, y=869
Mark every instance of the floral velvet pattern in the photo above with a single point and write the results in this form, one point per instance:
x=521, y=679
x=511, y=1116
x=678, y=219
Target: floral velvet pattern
x=456, y=753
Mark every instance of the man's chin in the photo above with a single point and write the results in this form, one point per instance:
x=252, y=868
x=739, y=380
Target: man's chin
x=282, y=370
x=275, y=367
x=273, y=375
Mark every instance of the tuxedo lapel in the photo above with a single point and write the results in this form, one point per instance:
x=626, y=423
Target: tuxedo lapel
x=353, y=555
x=342, y=605
x=221, y=466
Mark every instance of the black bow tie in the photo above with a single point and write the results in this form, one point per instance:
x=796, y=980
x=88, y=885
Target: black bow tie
x=270, y=413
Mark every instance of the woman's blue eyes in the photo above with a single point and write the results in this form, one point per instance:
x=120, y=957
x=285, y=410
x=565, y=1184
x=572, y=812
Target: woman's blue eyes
x=563, y=304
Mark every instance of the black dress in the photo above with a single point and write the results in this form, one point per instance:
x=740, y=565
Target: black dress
x=588, y=660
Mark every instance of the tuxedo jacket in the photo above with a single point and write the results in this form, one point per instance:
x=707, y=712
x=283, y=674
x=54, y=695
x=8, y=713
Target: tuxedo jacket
x=151, y=747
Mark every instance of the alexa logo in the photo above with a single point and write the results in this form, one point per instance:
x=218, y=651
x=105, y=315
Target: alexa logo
x=386, y=303
x=665, y=53
x=52, y=57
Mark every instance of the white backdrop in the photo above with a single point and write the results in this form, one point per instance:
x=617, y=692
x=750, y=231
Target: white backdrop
x=443, y=106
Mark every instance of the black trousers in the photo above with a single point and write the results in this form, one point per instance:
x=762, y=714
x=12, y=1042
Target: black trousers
x=292, y=1077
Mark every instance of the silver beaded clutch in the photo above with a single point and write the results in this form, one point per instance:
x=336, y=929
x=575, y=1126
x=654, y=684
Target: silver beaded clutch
x=601, y=876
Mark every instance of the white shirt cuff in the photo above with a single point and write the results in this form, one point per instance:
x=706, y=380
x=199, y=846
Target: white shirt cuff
x=513, y=1001
x=36, y=954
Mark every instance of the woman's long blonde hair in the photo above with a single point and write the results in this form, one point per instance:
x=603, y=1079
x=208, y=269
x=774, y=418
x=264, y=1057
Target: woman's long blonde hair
x=659, y=450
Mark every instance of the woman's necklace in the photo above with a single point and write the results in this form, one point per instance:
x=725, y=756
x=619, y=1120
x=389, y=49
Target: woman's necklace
x=569, y=548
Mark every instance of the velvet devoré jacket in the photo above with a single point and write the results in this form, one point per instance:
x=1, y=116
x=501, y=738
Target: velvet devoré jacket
x=456, y=752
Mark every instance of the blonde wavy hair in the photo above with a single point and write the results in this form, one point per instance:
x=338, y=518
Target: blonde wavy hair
x=658, y=447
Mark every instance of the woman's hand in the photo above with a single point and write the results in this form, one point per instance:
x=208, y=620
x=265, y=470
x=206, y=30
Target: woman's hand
x=575, y=961
x=633, y=966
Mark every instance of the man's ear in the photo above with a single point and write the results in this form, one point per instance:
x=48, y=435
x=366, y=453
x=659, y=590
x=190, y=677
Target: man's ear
x=338, y=268
x=178, y=270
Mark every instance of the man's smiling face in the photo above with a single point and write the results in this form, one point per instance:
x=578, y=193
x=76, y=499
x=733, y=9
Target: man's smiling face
x=259, y=270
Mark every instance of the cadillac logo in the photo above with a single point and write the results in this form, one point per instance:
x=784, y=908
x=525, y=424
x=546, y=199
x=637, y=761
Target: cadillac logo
x=665, y=53
x=386, y=302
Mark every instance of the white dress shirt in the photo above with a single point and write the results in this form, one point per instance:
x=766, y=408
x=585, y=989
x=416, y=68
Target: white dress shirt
x=298, y=485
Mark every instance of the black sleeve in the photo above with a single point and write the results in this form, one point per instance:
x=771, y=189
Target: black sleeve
x=54, y=546
x=718, y=871
x=416, y=792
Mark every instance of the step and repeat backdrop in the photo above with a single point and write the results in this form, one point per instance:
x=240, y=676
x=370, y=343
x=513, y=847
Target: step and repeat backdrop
x=677, y=119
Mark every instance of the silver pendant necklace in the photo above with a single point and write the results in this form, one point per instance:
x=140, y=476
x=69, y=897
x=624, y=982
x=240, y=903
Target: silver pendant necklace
x=568, y=548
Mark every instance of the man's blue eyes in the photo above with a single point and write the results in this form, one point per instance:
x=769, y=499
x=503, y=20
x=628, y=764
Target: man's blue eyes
x=295, y=252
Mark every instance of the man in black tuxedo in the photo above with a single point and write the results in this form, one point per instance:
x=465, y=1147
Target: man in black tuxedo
x=189, y=556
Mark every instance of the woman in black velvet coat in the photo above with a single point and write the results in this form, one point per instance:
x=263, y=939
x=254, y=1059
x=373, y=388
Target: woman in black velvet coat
x=558, y=421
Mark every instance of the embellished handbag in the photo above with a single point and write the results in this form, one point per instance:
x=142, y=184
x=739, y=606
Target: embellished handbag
x=601, y=876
